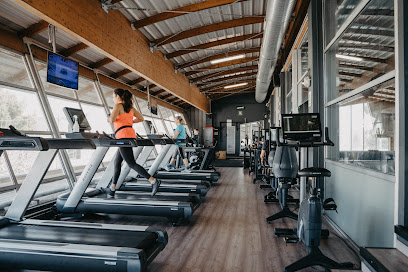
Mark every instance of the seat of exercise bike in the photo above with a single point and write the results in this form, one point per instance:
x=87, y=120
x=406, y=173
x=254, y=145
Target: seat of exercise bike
x=314, y=172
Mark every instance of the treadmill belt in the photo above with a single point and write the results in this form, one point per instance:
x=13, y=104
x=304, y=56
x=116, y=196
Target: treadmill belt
x=129, y=196
x=101, y=237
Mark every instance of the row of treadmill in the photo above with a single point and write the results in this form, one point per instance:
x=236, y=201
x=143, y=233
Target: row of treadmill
x=67, y=245
x=287, y=150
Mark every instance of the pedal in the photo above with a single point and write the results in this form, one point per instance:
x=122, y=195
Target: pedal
x=324, y=233
x=279, y=232
x=291, y=240
x=330, y=205
x=271, y=200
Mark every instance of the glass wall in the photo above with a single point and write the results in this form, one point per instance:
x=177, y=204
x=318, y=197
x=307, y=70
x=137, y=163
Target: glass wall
x=360, y=91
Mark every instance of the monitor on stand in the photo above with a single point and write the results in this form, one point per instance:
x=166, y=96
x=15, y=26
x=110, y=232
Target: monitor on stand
x=304, y=127
x=82, y=121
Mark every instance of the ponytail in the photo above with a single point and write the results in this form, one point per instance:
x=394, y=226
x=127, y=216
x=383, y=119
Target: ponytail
x=126, y=96
x=181, y=120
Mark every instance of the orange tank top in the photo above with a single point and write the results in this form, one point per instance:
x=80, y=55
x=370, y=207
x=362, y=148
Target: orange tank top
x=124, y=119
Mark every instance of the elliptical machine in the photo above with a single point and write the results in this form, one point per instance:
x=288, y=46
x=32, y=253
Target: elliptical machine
x=305, y=130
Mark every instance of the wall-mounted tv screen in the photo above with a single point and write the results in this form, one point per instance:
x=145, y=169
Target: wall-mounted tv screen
x=62, y=71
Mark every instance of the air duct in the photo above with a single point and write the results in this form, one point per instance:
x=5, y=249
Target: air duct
x=276, y=22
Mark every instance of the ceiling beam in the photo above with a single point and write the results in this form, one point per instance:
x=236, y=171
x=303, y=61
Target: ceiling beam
x=100, y=63
x=222, y=86
x=375, y=12
x=226, y=83
x=173, y=99
x=164, y=97
x=120, y=73
x=359, y=67
x=350, y=74
x=252, y=84
x=219, y=56
x=74, y=49
x=203, y=84
x=223, y=64
x=370, y=32
x=219, y=96
x=207, y=29
x=221, y=73
x=110, y=35
x=213, y=44
x=366, y=46
x=181, y=11
x=158, y=92
x=13, y=42
x=34, y=29
x=136, y=81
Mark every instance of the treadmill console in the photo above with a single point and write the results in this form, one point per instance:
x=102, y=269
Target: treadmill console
x=9, y=140
x=82, y=121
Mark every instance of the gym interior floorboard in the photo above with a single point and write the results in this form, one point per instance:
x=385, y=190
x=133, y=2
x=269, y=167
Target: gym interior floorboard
x=229, y=233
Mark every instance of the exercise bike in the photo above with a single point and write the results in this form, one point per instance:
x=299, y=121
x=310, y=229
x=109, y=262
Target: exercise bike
x=306, y=132
x=285, y=167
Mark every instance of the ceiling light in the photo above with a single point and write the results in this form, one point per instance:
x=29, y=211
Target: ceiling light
x=348, y=57
x=236, y=85
x=228, y=59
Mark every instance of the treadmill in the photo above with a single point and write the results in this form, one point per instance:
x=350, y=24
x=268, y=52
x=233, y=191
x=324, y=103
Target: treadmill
x=208, y=175
x=130, y=181
x=176, y=207
x=66, y=246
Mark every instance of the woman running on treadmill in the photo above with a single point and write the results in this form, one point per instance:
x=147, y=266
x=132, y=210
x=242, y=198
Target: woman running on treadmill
x=122, y=119
x=179, y=133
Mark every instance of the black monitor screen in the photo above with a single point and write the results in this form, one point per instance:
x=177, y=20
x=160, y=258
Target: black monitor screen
x=305, y=126
x=82, y=121
x=62, y=71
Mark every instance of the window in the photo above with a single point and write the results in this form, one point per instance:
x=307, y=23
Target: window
x=57, y=106
x=143, y=107
x=22, y=109
x=139, y=128
x=166, y=113
x=87, y=92
x=365, y=129
x=364, y=52
x=107, y=92
x=170, y=128
x=97, y=118
x=159, y=125
x=340, y=11
x=12, y=69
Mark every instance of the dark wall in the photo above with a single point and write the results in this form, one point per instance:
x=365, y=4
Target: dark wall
x=226, y=108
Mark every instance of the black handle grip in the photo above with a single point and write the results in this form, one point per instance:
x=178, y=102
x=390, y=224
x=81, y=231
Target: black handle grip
x=15, y=131
x=326, y=137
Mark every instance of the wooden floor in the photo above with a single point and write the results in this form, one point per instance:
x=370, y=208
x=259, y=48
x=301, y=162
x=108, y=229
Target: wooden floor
x=229, y=233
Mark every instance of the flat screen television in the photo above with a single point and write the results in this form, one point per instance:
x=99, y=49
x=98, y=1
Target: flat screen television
x=62, y=71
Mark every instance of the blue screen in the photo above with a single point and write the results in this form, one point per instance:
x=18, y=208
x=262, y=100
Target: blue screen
x=62, y=71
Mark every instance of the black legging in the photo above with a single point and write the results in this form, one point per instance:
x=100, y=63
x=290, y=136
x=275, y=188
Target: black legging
x=179, y=151
x=126, y=153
